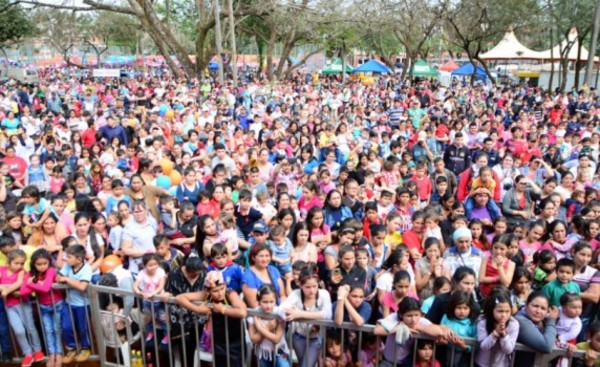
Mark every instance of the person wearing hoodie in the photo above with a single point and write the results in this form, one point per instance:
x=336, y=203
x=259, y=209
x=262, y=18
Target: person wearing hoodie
x=111, y=130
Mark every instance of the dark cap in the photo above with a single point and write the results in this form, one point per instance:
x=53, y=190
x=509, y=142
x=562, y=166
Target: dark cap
x=260, y=227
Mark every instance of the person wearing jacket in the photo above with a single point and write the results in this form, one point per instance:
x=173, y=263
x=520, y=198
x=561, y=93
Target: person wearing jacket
x=537, y=327
x=465, y=179
x=112, y=130
x=334, y=211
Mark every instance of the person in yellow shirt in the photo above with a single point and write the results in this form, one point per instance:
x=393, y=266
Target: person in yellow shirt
x=592, y=346
x=7, y=244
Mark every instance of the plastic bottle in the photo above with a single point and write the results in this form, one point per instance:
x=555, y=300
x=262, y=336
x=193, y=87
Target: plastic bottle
x=149, y=359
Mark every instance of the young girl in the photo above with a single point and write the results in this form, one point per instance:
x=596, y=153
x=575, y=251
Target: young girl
x=429, y=267
x=441, y=285
x=398, y=352
x=347, y=272
x=432, y=223
x=42, y=276
x=267, y=335
x=521, y=286
x=479, y=238
x=497, y=333
x=460, y=316
x=320, y=234
x=307, y=303
x=56, y=180
x=351, y=306
x=334, y=355
x=381, y=250
x=425, y=357
x=14, y=227
x=115, y=232
x=514, y=253
x=303, y=249
x=362, y=260
x=497, y=269
x=545, y=268
x=568, y=325
x=391, y=299
x=18, y=308
x=228, y=235
x=227, y=310
x=369, y=349
x=36, y=175
x=37, y=209
x=149, y=283
x=531, y=243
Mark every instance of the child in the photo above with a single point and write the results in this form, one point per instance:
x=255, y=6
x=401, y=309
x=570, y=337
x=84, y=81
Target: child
x=117, y=195
x=168, y=216
x=429, y=267
x=362, y=260
x=351, y=307
x=267, y=335
x=325, y=184
x=441, y=285
x=37, y=209
x=484, y=183
x=498, y=268
x=545, y=268
x=514, y=253
x=229, y=236
x=245, y=215
x=497, y=333
x=381, y=251
x=565, y=271
x=18, y=308
x=282, y=248
x=320, y=234
x=531, y=243
x=591, y=346
x=460, y=316
x=77, y=274
x=369, y=350
x=423, y=183
x=371, y=218
x=521, y=286
x=425, y=357
x=262, y=205
x=42, y=276
x=335, y=356
x=227, y=311
x=292, y=283
x=391, y=299
x=115, y=233
x=56, y=180
x=170, y=258
x=398, y=352
x=36, y=175
x=385, y=205
x=500, y=227
x=150, y=282
x=568, y=325
x=432, y=223
x=575, y=203
x=390, y=176
x=479, y=238
x=221, y=261
x=441, y=188
x=393, y=236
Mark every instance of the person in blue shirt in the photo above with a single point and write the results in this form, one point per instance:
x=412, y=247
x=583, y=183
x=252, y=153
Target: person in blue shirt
x=112, y=130
x=221, y=261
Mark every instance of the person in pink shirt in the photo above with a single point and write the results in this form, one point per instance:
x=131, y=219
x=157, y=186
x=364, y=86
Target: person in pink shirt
x=531, y=243
x=40, y=281
x=309, y=199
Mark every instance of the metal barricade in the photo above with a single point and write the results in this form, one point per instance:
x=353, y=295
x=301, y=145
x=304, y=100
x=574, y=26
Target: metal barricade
x=115, y=334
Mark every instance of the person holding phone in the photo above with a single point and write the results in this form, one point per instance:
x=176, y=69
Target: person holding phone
x=347, y=272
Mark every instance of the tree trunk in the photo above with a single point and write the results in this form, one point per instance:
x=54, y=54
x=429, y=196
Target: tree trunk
x=162, y=47
x=485, y=67
x=261, y=45
x=551, y=81
x=564, y=71
x=219, y=38
x=233, y=44
x=202, y=54
x=270, y=49
x=593, y=42
x=472, y=61
x=577, y=63
x=285, y=54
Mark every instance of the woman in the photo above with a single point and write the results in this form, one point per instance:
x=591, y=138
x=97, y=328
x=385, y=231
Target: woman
x=463, y=280
x=537, y=170
x=463, y=253
x=287, y=219
x=138, y=190
x=50, y=236
x=309, y=199
x=588, y=279
x=96, y=176
x=260, y=273
x=99, y=224
x=334, y=211
x=124, y=212
x=81, y=185
x=308, y=161
x=556, y=239
x=537, y=327
x=145, y=171
x=566, y=187
x=547, y=211
x=86, y=236
x=330, y=162
x=264, y=166
x=206, y=236
x=413, y=238
x=517, y=205
x=506, y=173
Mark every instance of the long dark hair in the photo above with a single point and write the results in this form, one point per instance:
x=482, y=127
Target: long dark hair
x=91, y=233
x=39, y=254
x=201, y=235
x=494, y=299
x=461, y=298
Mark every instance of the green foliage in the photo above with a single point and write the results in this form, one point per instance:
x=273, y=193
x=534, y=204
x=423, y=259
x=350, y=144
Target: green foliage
x=14, y=24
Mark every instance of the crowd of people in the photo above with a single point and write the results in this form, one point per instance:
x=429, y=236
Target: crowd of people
x=455, y=211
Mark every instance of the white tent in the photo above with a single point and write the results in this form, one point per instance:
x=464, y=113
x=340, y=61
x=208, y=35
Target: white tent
x=509, y=48
x=572, y=55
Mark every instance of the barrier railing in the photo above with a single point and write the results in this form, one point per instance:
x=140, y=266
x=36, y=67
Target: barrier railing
x=114, y=334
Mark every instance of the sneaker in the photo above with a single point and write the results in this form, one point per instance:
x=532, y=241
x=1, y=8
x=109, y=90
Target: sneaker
x=149, y=337
x=27, y=361
x=69, y=356
x=5, y=357
x=165, y=340
x=38, y=356
x=83, y=356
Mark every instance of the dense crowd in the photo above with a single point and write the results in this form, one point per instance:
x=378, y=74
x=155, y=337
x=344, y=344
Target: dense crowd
x=453, y=211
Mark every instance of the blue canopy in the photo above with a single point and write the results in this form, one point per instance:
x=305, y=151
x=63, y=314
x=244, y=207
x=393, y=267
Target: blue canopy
x=467, y=70
x=213, y=66
x=372, y=66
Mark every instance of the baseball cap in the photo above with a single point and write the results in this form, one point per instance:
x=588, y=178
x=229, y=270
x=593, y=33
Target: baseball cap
x=260, y=227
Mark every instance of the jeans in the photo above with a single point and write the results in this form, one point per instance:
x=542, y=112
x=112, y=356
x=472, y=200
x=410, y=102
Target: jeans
x=158, y=315
x=4, y=336
x=281, y=360
x=51, y=322
x=21, y=321
x=307, y=358
x=79, y=322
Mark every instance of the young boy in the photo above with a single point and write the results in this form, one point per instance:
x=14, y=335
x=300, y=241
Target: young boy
x=117, y=195
x=282, y=250
x=423, y=183
x=221, y=261
x=575, y=203
x=37, y=209
x=371, y=218
x=170, y=258
x=385, y=205
x=292, y=283
x=168, y=216
x=245, y=215
x=565, y=272
x=441, y=188
x=77, y=274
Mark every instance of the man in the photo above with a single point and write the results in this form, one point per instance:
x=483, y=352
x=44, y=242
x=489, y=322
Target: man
x=439, y=169
x=466, y=178
x=111, y=130
x=457, y=157
x=488, y=147
x=221, y=157
x=138, y=235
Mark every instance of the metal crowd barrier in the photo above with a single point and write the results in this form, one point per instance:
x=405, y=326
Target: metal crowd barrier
x=115, y=336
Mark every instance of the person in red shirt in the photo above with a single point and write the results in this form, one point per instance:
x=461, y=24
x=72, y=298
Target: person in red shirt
x=16, y=165
x=423, y=182
x=413, y=238
x=88, y=137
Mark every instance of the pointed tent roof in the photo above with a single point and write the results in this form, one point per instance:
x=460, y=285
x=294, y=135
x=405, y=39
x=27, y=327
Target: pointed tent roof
x=572, y=55
x=467, y=69
x=336, y=67
x=423, y=69
x=449, y=66
x=509, y=48
x=372, y=66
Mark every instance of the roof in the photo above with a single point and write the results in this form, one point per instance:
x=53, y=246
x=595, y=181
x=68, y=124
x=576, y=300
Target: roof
x=509, y=48
x=336, y=68
x=372, y=66
x=572, y=56
x=449, y=66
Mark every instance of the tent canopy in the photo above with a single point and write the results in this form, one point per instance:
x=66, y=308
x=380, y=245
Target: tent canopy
x=572, y=55
x=509, y=48
x=336, y=67
x=423, y=69
x=467, y=70
x=372, y=66
x=449, y=66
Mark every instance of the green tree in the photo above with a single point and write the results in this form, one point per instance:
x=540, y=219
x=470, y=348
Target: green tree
x=14, y=24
